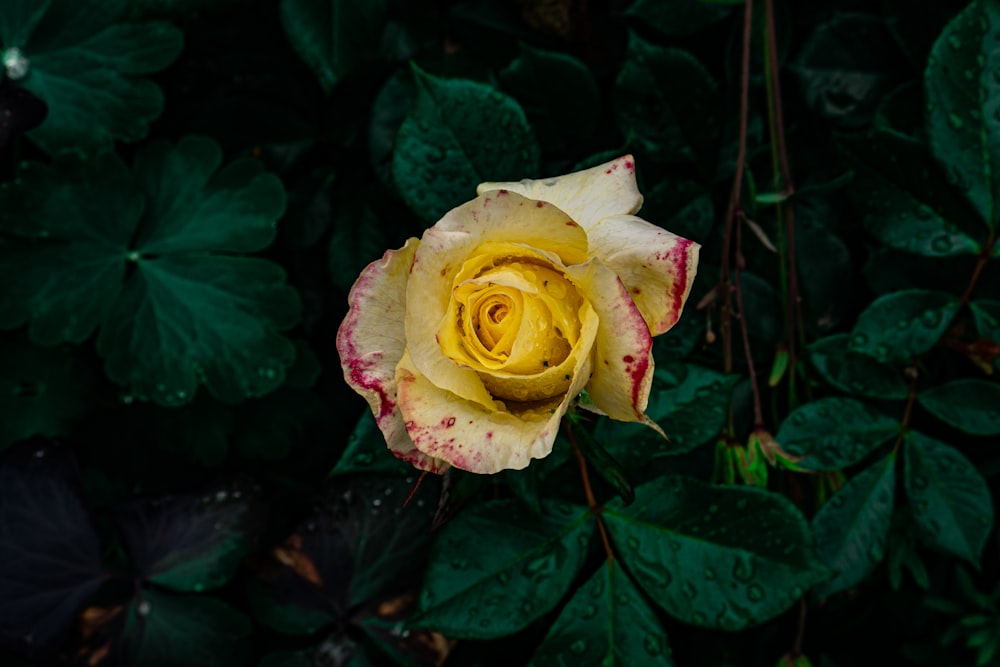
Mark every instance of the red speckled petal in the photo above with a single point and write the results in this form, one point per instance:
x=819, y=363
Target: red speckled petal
x=657, y=267
x=370, y=342
x=623, y=362
x=499, y=216
x=588, y=196
x=474, y=438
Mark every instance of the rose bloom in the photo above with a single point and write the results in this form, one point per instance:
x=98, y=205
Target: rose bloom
x=472, y=342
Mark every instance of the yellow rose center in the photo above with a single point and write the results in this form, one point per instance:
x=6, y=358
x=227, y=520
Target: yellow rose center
x=514, y=317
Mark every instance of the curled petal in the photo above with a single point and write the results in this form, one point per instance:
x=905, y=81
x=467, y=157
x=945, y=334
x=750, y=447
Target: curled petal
x=370, y=342
x=657, y=267
x=495, y=217
x=588, y=196
x=623, y=362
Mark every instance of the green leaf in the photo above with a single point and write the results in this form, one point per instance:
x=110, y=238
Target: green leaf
x=683, y=207
x=605, y=464
x=833, y=433
x=674, y=127
x=962, y=91
x=951, y=502
x=676, y=17
x=970, y=405
x=497, y=567
x=459, y=134
x=41, y=391
x=717, y=557
x=86, y=67
x=897, y=188
x=358, y=238
x=607, y=622
x=987, y=317
x=687, y=401
x=367, y=452
x=852, y=527
x=333, y=37
x=899, y=326
x=855, y=373
x=165, y=630
x=558, y=94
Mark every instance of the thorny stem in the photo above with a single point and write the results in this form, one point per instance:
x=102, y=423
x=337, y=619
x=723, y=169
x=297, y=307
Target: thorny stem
x=734, y=197
x=758, y=411
x=595, y=509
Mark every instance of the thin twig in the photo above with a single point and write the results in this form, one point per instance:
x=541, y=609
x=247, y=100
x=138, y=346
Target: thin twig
x=911, y=398
x=758, y=410
x=595, y=509
x=984, y=256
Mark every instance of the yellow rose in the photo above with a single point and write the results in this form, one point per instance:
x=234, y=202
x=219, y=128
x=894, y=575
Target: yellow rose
x=471, y=343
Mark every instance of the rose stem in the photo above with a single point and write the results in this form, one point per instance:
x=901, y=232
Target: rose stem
x=734, y=197
x=984, y=256
x=782, y=176
x=758, y=411
x=595, y=509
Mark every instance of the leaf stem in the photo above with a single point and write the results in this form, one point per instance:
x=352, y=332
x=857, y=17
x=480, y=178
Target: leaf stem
x=734, y=196
x=984, y=256
x=911, y=398
x=595, y=509
x=800, y=633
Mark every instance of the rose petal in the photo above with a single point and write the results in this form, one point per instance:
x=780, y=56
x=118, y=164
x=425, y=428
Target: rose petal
x=623, y=362
x=657, y=267
x=502, y=216
x=370, y=342
x=588, y=196
x=471, y=437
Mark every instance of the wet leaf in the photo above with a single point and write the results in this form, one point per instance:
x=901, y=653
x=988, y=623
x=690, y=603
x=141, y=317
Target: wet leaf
x=852, y=527
x=478, y=588
x=853, y=372
x=607, y=622
x=715, y=556
x=677, y=17
x=950, y=499
x=901, y=325
x=833, y=433
x=971, y=405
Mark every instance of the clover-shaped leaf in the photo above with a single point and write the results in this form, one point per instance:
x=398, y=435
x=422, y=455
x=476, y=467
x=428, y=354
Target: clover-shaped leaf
x=151, y=258
x=85, y=65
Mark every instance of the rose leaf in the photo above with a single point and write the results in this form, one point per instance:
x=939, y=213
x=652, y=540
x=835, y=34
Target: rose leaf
x=486, y=588
x=898, y=326
x=832, y=433
x=607, y=622
x=163, y=629
x=676, y=17
x=50, y=555
x=950, y=499
x=717, y=557
x=333, y=37
x=192, y=542
x=367, y=453
x=852, y=527
x=86, y=66
x=962, y=93
x=970, y=405
x=458, y=134
x=853, y=372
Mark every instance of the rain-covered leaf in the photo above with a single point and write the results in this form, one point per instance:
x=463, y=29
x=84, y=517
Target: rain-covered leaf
x=50, y=556
x=165, y=630
x=86, y=64
x=676, y=128
x=951, y=502
x=715, y=556
x=677, y=17
x=846, y=65
x=149, y=257
x=192, y=542
x=41, y=391
x=558, y=94
x=333, y=37
x=484, y=588
x=833, y=433
x=459, y=134
x=357, y=544
x=962, y=92
x=688, y=402
x=853, y=372
x=358, y=238
x=899, y=326
x=898, y=189
x=970, y=405
x=607, y=622
x=367, y=453
x=852, y=527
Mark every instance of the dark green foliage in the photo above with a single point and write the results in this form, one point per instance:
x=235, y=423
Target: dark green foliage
x=189, y=190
